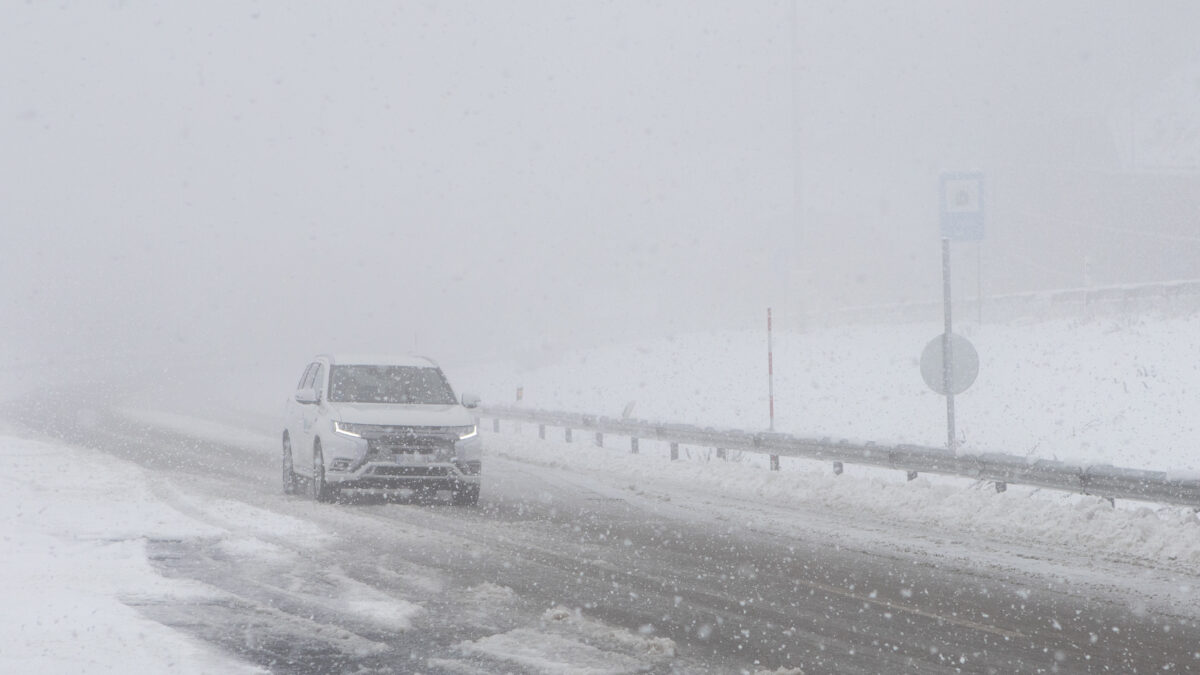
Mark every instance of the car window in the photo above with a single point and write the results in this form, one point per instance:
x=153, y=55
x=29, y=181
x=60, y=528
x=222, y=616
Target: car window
x=318, y=383
x=304, y=376
x=309, y=376
x=389, y=384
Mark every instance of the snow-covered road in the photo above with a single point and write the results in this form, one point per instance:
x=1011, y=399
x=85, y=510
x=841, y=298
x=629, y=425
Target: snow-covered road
x=579, y=559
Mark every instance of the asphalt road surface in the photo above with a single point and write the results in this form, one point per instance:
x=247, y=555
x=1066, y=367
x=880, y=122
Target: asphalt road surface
x=734, y=586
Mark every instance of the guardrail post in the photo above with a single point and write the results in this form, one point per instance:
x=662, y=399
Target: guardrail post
x=720, y=453
x=774, y=462
x=674, y=451
x=542, y=431
x=912, y=475
x=567, y=434
x=599, y=439
x=837, y=468
x=496, y=425
x=633, y=445
x=1001, y=486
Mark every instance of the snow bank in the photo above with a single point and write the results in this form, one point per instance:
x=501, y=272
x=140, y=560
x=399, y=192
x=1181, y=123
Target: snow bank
x=567, y=642
x=75, y=526
x=1167, y=536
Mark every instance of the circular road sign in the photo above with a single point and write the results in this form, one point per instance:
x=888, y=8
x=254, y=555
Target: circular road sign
x=966, y=364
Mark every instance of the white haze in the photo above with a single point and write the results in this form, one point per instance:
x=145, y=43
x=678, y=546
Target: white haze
x=255, y=182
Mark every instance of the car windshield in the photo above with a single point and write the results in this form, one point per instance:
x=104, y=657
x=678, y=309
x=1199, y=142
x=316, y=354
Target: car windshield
x=389, y=384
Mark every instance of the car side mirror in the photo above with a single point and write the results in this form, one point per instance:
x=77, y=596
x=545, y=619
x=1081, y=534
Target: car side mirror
x=307, y=397
x=470, y=400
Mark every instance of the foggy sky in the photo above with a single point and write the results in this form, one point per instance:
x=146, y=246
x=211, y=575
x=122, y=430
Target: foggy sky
x=246, y=181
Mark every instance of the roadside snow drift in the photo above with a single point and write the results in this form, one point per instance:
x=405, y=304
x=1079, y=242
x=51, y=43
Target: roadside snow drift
x=75, y=525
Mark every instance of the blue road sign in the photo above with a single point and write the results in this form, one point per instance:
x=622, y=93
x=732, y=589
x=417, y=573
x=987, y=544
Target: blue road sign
x=962, y=206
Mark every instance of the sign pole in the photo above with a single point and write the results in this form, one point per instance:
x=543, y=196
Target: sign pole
x=962, y=202
x=979, y=277
x=947, y=353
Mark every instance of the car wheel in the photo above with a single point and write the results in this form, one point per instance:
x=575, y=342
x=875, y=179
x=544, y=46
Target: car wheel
x=321, y=490
x=289, y=471
x=466, y=495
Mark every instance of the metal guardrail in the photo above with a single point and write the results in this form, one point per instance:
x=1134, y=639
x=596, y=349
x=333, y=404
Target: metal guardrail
x=1102, y=480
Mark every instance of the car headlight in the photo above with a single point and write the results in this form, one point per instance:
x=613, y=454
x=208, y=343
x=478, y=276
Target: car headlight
x=348, y=429
x=469, y=431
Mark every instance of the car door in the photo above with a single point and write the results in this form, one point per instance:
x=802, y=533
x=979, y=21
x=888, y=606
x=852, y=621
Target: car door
x=311, y=413
x=292, y=420
x=302, y=424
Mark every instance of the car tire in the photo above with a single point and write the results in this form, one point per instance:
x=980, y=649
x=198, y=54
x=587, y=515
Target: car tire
x=290, y=484
x=321, y=491
x=466, y=495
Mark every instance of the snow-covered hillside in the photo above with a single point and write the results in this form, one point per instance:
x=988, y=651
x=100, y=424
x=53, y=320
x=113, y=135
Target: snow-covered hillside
x=1119, y=390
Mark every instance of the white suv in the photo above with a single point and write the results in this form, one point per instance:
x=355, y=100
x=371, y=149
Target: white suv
x=380, y=424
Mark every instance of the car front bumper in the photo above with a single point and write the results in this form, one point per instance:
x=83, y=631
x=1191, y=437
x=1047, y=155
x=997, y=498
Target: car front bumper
x=407, y=475
x=359, y=463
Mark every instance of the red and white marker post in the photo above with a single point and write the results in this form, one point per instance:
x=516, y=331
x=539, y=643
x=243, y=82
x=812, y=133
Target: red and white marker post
x=771, y=383
x=520, y=397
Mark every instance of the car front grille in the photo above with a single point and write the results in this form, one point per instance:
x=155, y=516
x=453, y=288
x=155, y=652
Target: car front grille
x=380, y=430
x=408, y=440
x=409, y=446
x=410, y=471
